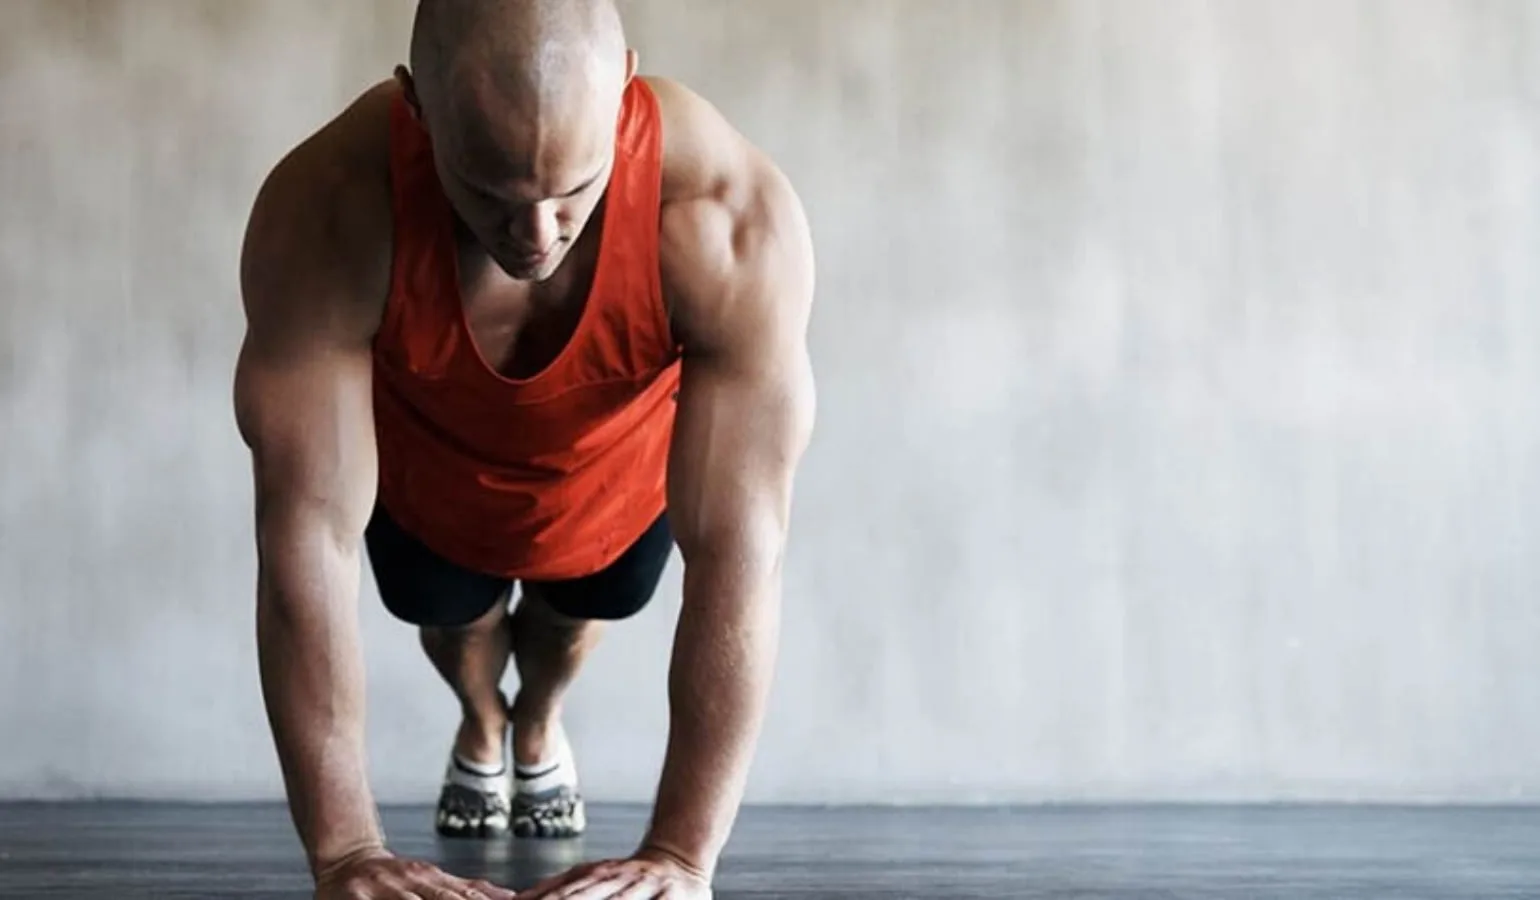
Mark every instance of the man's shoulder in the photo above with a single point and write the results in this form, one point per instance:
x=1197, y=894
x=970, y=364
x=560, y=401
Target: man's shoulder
x=320, y=225
x=734, y=232
x=704, y=153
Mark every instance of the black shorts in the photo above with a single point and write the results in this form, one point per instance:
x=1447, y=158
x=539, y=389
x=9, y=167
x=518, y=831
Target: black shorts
x=422, y=588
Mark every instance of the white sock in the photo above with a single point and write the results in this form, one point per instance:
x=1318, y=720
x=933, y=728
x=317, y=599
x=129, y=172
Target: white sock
x=556, y=770
x=487, y=778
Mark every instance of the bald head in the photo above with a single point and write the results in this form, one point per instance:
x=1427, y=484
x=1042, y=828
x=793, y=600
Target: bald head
x=520, y=100
x=533, y=53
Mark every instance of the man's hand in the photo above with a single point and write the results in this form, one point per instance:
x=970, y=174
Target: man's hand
x=649, y=875
x=378, y=875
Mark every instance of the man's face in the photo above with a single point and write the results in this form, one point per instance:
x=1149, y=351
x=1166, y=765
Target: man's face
x=525, y=183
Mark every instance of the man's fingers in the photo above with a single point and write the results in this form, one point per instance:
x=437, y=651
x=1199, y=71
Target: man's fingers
x=486, y=890
x=585, y=883
x=641, y=889
x=411, y=879
x=549, y=887
x=596, y=887
x=431, y=883
x=452, y=888
x=679, y=890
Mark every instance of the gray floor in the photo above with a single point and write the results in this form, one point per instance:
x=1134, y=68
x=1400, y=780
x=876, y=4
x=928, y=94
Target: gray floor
x=124, y=851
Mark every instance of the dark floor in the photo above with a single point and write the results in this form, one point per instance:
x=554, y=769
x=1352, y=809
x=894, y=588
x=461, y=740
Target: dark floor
x=127, y=851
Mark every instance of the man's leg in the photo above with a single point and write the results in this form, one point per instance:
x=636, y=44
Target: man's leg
x=472, y=660
x=555, y=626
x=462, y=618
x=548, y=649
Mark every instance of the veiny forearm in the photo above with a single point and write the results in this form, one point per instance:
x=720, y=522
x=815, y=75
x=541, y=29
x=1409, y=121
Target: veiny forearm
x=719, y=681
x=313, y=684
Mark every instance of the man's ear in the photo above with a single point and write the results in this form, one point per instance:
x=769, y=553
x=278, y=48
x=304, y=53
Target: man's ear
x=409, y=91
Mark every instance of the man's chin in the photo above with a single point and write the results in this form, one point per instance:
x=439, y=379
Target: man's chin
x=523, y=270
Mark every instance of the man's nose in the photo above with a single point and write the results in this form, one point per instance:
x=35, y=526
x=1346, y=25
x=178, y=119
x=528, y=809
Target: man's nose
x=536, y=229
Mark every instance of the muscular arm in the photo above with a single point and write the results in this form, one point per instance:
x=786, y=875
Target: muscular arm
x=740, y=265
x=303, y=406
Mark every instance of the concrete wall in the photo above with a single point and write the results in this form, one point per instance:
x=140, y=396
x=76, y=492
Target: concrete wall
x=1179, y=428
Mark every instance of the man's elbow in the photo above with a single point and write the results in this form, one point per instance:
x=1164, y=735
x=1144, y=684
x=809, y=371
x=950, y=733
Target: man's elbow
x=306, y=559
x=738, y=554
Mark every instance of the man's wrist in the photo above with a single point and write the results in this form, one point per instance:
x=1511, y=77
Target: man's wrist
x=700, y=864
x=334, y=859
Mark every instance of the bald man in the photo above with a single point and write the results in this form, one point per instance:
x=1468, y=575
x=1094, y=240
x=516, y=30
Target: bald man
x=519, y=323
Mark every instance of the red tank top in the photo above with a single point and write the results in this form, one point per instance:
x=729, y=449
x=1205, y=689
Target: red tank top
x=551, y=476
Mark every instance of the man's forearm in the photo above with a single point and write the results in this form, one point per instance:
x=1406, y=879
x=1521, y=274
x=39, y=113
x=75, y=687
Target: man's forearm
x=719, y=680
x=313, y=685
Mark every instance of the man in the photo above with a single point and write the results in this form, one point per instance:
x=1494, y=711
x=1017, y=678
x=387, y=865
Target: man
x=519, y=317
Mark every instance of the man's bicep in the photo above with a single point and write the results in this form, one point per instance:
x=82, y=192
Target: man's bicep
x=739, y=434
x=308, y=421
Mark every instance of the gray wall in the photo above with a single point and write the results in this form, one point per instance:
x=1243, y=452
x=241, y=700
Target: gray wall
x=1178, y=431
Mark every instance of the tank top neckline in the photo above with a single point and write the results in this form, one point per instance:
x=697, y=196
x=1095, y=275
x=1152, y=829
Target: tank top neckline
x=589, y=300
